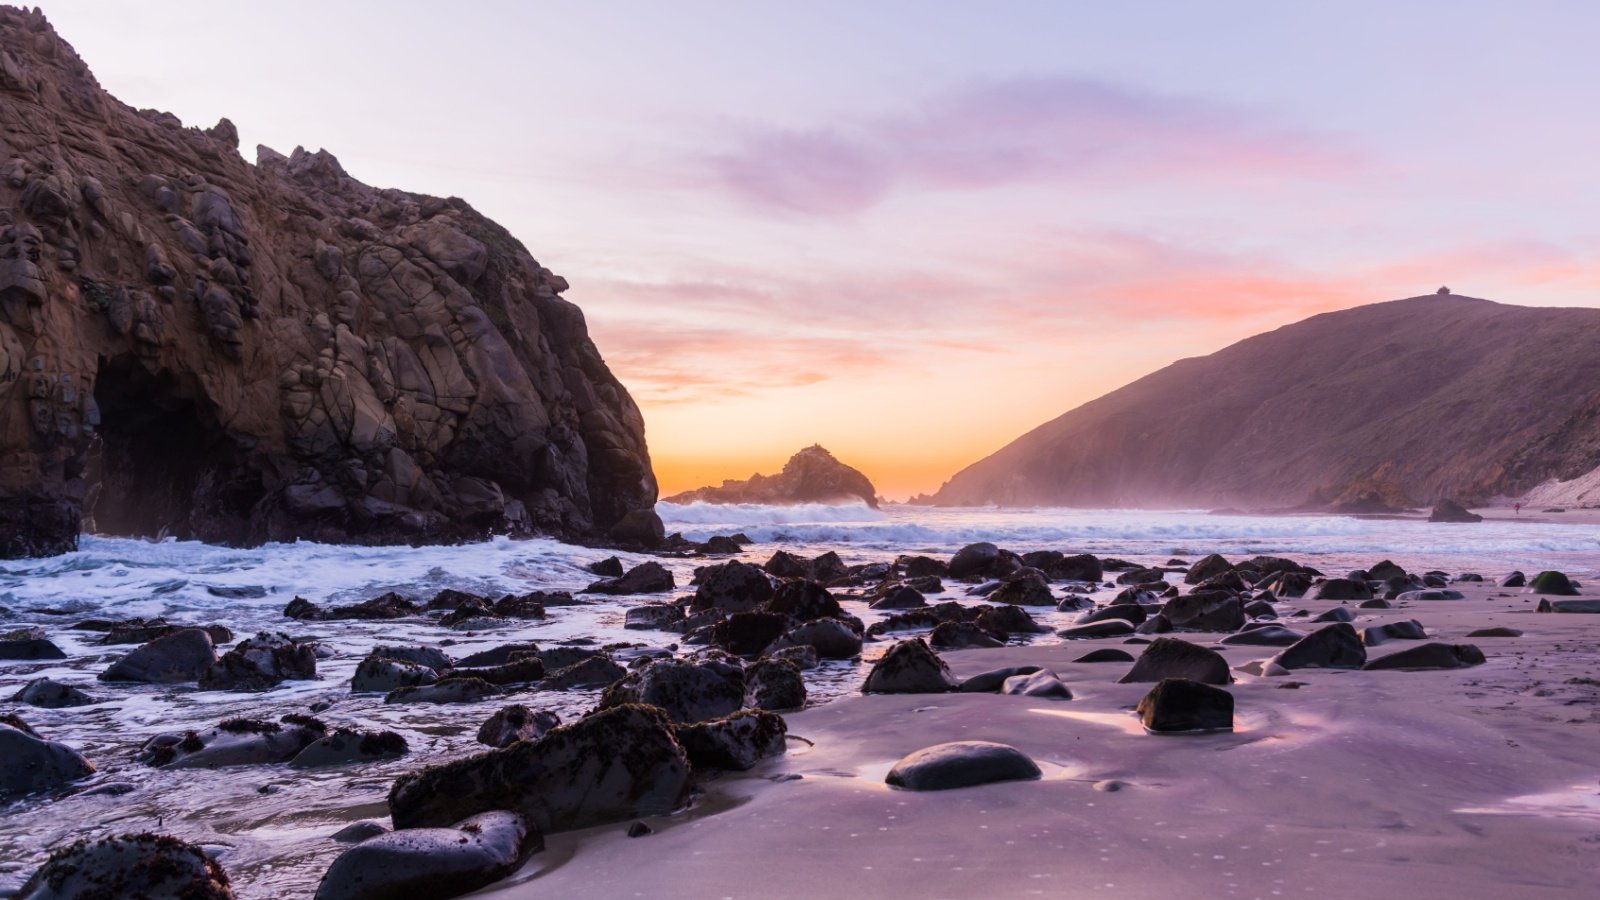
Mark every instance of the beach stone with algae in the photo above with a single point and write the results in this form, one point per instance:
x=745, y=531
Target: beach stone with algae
x=910, y=667
x=132, y=865
x=1178, y=705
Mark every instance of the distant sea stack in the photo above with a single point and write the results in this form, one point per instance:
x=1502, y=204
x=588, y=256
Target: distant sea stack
x=194, y=346
x=810, y=476
x=1395, y=404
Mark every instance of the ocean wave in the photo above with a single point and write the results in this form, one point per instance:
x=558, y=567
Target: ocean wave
x=755, y=514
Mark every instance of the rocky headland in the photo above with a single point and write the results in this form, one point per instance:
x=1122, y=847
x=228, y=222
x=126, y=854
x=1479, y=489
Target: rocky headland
x=811, y=476
x=192, y=345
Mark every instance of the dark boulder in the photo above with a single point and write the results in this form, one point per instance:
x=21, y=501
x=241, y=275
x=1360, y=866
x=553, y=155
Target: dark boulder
x=1178, y=706
x=47, y=694
x=1343, y=589
x=830, y=638
x=1335, y=646
x=1204, y=611
x=1336, y=614
x=737, y=741
x=652, y=617
x=614, y=765
x=610, y=567
x=347, y=746
x=687, y=692
x=646, y=578
x=909, y=667
x=1568, y=606
x=1496, y=632
x=1206, y=568
x=29, y=764
x=1173, y=658
x=1105, y=655
x=1008, y=620
x=1043, y=684
x=899, y=596
x=453, y=689
x=260, y=663
x=234, y=742
x=1515, y=579
x=1025, y=587
x=1553, y=583
x=179, y=657
x=963, y=636
x=1272, y=636
x=960, y=764
x=516, y=723
x=28, y=644
x=992, y=681
x=431, y=863
x=1451, y=511
x=522, y=669
x=748, y=633
x=774, y=684
x=804, y=601
x=1143, y=576
x=132, y=866
x=980, y=559
x=378, y=673
x=1410, y=630
x=733, y=587
x=431, y=657
x=590, y=672
x=1430, y=656
x=1102, y=629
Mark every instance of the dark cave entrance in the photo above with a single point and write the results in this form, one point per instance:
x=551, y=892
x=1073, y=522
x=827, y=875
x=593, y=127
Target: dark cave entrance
x=159, y=460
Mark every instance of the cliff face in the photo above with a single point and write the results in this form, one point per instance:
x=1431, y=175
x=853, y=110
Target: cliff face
x=810, y=476
x=192, y=345
x=1393, y=404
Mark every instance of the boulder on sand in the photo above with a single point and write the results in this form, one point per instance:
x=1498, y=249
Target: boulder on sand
x=1172, y=658
x=1451, y=511
x=129, y=866
x=736, y=741
x=516, y=723
x=774, y=684
x=1335, y=646
x=1043, y=684
x=431, y=863
x=960, y=764
x=685, y=691
x=1178, y=705
x=1410, y=630
x=909, y=667
x=1431, y=656
x=1553, y=583
x=610, y=766
x=1343, y=589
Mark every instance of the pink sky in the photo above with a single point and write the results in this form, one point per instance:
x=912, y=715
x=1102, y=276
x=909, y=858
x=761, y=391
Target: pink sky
x=913, y=231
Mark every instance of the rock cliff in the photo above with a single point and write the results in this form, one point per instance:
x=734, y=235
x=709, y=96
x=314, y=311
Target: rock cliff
x=810, y=476
x=1388, y=405
x=196, y=346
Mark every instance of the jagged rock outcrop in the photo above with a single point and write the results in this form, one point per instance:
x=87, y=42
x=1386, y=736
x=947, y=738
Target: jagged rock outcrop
x=192, y=345
x=1363, y=410
x=810, y=476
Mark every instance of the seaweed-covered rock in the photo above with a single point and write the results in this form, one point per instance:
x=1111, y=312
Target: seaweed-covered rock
x=653, y=617
x=804, y=601
x=516, y=723
x=910, y=667
x=1172, y=658
x=383, y=673
x=1178, y=705
x=613, y=765
x=431, y=863
x=1204, y=611
x=748, y=633
x=47, y=694
x=234, y=742
x=1553, y=583
x=960, y=764
x=962, y=636
x=29, y=764
x=774, y=684
x=1343, y=589
x=524, y=669
x=687, y=692
x=590, y=672
x=261, y=662
x=432, y=657
x=732, y=587
x=179, y=657
x=344, y=746
x=898, y=595
x=737, y=741
x=130, y=866
x=28, y=644
x=452, y=689
x=829, y=638
x=1025, y=587
x=1008, y=620
x=1207, y=567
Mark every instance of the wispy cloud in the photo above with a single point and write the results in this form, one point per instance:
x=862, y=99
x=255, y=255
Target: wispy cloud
x=1048, y=129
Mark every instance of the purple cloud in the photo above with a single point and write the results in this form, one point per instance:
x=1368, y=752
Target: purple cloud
x=1067, y=130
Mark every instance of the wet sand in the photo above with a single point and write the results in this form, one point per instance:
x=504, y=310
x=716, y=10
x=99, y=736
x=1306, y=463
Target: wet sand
x=1479, y=782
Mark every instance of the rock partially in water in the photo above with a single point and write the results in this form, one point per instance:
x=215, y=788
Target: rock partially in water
x=899, y=596
x=910, y=667
x=1104, y=655
x=346, y=746
x=1204, y=611
x=132, y=866
x=962, y=636
x=990, y=682
x=611, y=766
x=454, y=689
x=1431, y=656
x=653, y=616
x=590, y=672
x=1207, y=567
x=1343, y=589
x=1025, y=587
x=1335, y=646
x=1271, y=636
x=179, y=657
x=1178, y=705
x=432, y=657
x=29, y=764
x=383, y=673
x=686, y=692
x=516, y=723
x=28, y=644
x=261, y=663
x=1337, y=614
x=774, y=684
x=732, y=587
x=356, y=832
x=737, y=741
x=432, y=863
x=47, y=694
x=960, y=764
x=829, y=638
x=645, y=578
x=234, y=742
x=1172, y=658
x=1104, y=628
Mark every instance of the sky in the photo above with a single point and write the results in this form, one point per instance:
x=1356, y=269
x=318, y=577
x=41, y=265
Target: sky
x=913, y=231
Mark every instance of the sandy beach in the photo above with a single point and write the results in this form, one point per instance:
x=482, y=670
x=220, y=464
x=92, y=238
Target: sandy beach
x=1479, y=782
